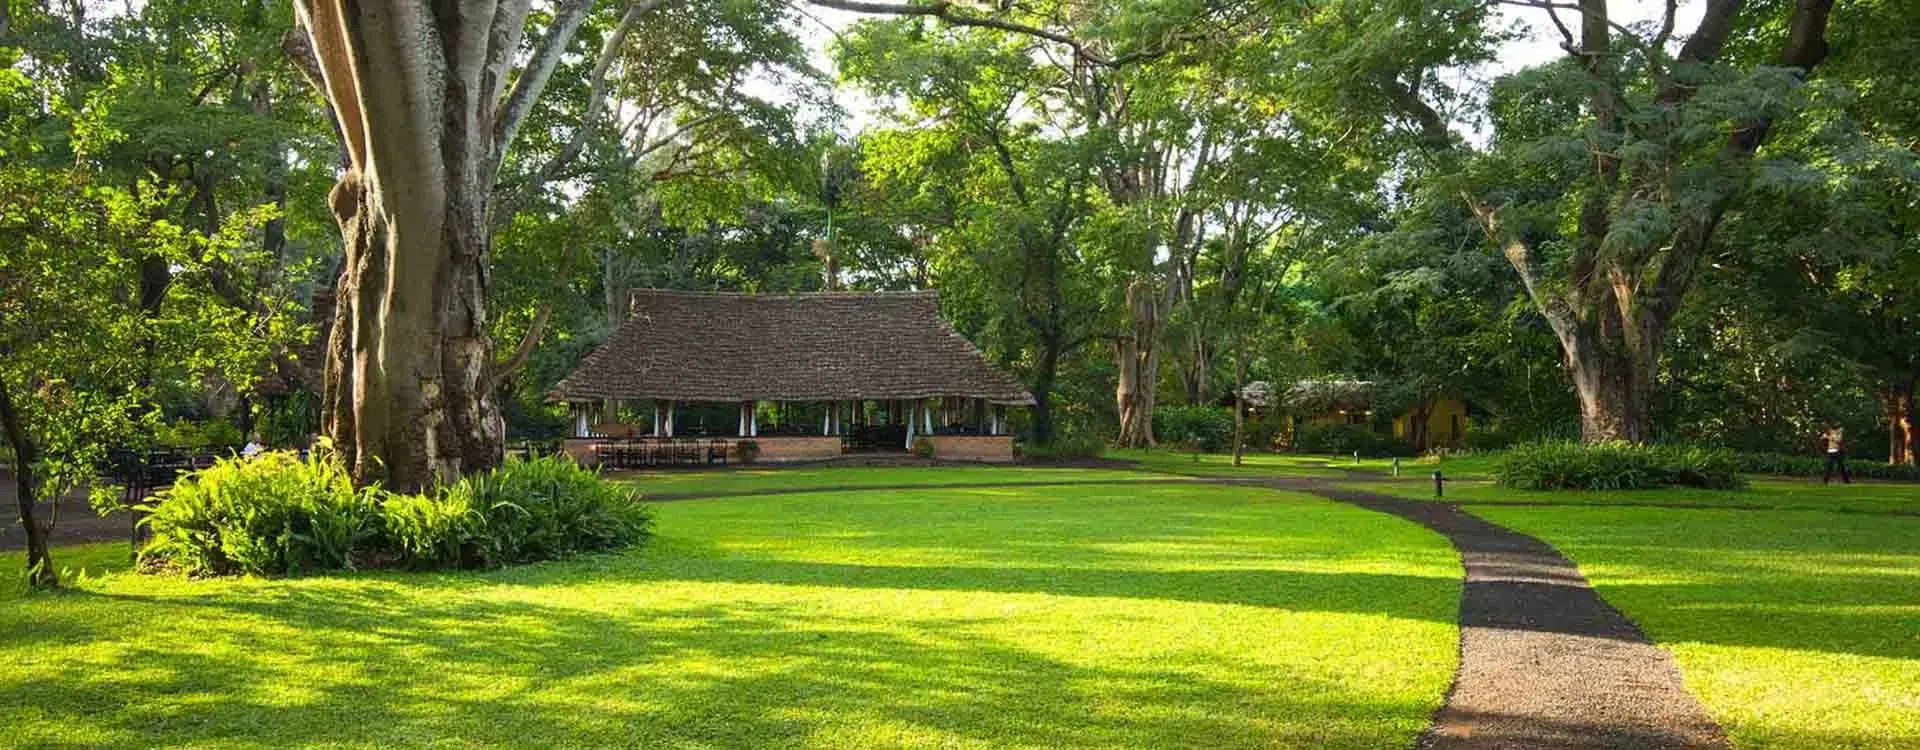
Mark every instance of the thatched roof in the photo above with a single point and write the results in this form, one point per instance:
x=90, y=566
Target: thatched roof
x=709, y=346
x=1318, y=396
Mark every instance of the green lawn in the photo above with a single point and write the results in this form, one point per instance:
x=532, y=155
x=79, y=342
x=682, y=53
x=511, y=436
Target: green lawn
x=1761, y=492
x=769, y=478
x=1796, y=629
x=1253, y=465
x=1139, y=615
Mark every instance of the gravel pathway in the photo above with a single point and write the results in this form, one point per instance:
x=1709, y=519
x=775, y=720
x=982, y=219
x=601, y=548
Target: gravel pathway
x=1545, y=663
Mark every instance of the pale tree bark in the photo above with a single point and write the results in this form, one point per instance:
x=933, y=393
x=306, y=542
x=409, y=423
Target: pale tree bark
x=414, y=87
x=1137, y=352
x=1897, y=400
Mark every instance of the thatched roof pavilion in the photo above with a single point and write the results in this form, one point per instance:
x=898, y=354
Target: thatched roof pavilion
x=841, y=352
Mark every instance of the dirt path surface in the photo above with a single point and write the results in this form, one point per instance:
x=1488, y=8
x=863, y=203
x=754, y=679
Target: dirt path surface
x=1545, y=663
x=75, y=523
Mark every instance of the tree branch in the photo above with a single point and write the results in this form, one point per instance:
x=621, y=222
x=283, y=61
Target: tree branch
x=567, y=20
x=944, y=10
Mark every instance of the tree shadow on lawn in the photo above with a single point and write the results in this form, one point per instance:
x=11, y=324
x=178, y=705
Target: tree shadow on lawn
x=373, y=662
x=1806, y=581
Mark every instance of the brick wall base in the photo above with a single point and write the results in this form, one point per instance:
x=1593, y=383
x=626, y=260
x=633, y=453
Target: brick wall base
x=989, y=448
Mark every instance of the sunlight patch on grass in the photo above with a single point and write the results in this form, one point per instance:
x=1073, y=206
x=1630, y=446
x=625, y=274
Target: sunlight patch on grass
x=1100, y=616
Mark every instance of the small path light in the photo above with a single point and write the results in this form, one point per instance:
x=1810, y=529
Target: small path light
x=1439, y=484
x=1396, y=467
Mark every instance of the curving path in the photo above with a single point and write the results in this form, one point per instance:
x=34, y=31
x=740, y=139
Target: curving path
x=1545, y=663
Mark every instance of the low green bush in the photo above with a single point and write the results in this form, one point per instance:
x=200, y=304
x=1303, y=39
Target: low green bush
x=1616, y=466
x=433, y=529
x=1068, y=443
x=1792, y=465
x=277, y=514
x=268, y=515
x=1345, y=439
x=1209, y=428
x=548, y=508
x=1486, y=439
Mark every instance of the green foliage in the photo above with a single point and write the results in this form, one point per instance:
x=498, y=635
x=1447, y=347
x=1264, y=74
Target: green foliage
x=269, y=515
x=923, y=447
x=278, y=514
x=288, y=421
x=1794, y=465
x=1069, y=442
x=1207, y=428
x=212, y=434
x=434, y=529
x=1616, y=466
x=1486, y=438
x=542, y=509
x=1345, y=439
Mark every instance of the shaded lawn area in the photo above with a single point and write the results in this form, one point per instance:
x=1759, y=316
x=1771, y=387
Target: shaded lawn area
x=1253, y=465
x=1144, y=616
x=680, y=482
x=1796, y=629
x=1761, y=492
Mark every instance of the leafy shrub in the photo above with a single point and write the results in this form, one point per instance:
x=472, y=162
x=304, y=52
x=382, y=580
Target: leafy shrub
x=1348, y=438
x=746, y=451
x=1069, y=442
x=433, y=529
x=543, y=509
x=1616, y=466
x=1486, y=439
x=1791, y=465
x=923, y=447
x=1209, y=428
x=272, y=514
x=276, y=514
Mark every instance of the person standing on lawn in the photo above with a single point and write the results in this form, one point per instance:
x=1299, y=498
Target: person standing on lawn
x=1834, y=440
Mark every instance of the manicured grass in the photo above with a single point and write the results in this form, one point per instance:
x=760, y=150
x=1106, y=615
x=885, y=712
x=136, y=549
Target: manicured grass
x=771, y=478
x=1762, y=492
x=1253, y=465
x=1146, y=616
x=1796, y=629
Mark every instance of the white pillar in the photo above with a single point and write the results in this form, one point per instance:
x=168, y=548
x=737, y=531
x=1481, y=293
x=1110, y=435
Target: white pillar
x=909, y=426
x=753, y=419
x=740, y=410
x=580, y=422
x=670, y=405
x=656, y=418
x=926, y=417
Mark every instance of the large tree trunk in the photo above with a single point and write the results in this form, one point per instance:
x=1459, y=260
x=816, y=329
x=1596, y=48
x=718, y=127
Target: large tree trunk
x=1137, y=353
x=41, y=572
x=414, y=86
x=1900, y=428
x=1043, y=377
